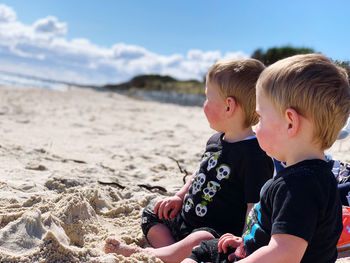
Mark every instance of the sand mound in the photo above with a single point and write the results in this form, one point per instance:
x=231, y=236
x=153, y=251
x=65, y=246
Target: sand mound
x=79, y=166
x=23, y=234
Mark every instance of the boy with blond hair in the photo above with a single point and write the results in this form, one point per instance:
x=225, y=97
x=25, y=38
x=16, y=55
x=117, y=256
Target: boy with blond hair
x=302, y=102
x=231, y=173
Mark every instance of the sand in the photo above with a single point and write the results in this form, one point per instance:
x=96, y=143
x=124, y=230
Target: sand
x=55, y=147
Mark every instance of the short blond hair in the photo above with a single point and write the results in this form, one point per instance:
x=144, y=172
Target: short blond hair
x=313, y=86
x=237, y=78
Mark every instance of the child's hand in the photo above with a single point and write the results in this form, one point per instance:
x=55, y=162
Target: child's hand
x=168, y=207
x=226, y=241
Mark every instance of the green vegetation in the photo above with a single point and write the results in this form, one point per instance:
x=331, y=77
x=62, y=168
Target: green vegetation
x=276, y=53
x=345, y=65
x=158, y=82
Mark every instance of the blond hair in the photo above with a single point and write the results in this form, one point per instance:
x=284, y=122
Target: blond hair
x=237, y=78
x=313, y=86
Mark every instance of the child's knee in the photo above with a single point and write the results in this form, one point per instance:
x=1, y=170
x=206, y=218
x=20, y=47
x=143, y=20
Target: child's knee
x=205, y=235
x=207, y=232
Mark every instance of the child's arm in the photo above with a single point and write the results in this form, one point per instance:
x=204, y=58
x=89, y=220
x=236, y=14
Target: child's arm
x=229, y=240
x=282, y=248
x=172, y=204
x=249, y=207
x=184, y=189
x=188, y=260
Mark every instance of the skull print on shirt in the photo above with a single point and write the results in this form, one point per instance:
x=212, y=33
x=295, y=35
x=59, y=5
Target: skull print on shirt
x=212, y=161
x=201, y=209
x=199, y=180
x=223, y=171
x=206, y=183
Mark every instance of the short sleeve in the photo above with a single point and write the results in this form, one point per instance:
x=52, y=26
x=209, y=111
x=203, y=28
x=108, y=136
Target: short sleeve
x=255, y=175
x=295, y=209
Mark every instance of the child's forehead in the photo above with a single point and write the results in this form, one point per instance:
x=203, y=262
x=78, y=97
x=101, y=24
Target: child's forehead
x=264, y=103
x=260, y=93
x=212, y=86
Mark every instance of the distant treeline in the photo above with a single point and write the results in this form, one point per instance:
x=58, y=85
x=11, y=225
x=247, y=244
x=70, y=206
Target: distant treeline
x=158, y=82
x=167, y=83
x=274, y=54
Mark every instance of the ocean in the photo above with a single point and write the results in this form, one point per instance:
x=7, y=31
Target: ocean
x=12, y=79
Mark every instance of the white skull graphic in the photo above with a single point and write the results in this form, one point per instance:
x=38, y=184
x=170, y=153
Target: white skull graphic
x=201, y=209
x=144, y=220
x=212, y=161
x=210, y=190
x=188, y=205
x=205, y=157
x=198, y=182
x=223, y=171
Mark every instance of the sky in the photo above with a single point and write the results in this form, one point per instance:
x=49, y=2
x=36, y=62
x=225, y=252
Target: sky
x=111, y=41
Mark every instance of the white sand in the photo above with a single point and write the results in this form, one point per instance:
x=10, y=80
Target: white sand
x=54, y=146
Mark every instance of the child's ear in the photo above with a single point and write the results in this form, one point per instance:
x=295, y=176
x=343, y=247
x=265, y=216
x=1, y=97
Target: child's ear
x=230, y=105
x=293, y=121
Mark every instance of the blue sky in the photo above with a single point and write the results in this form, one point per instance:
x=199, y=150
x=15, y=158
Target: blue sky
x=111, y=41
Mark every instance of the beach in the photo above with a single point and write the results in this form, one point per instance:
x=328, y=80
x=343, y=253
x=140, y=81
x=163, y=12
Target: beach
x=79, y=165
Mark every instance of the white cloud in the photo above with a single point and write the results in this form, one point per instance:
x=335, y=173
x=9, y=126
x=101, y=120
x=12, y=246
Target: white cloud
x=199, y=55
x=123, y=51
x=238, y=54
x=6, y=14
x=50, y=25
x=42, y=50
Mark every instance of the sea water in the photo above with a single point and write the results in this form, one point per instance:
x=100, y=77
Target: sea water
x=12, y=79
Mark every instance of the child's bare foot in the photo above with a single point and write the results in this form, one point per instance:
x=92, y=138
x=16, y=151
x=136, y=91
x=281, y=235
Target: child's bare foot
x=114, y=246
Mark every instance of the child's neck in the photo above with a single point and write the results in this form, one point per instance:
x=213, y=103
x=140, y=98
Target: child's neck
x=237, y=136
x=305, y=155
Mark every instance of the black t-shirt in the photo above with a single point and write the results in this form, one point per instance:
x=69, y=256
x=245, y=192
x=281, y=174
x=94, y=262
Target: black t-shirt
x=230, y=176
x=301, y=200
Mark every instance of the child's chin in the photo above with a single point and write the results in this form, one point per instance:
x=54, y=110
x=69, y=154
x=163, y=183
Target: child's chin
x=269, y=153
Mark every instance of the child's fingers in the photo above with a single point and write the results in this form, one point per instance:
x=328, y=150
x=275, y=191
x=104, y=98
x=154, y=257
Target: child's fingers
x=172, y=213
x=228, y=240
x=155, y=210
x=231, y=243
x=222, y=241
x=231, y=257
x=222, y=244
x=239, y=240
x=161, y=211
x=226, y=235
x=166, y=211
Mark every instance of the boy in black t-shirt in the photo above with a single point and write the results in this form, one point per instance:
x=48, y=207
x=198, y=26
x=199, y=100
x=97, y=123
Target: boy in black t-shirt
x=302, y=102
x=232, y=171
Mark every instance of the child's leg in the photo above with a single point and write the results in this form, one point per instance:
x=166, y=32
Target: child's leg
x=173, y=253
x=160, y=236
x=156, y=231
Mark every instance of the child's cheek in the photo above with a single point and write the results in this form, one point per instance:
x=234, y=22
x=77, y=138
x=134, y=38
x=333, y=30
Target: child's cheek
x=206, y=110
x=259, y=131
